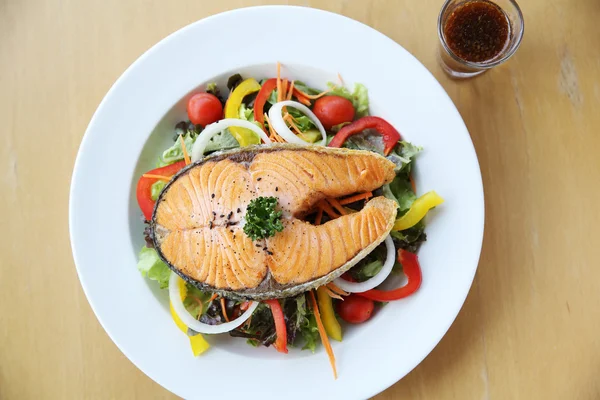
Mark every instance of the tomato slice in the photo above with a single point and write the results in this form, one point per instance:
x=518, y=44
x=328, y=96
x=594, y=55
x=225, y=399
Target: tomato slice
x=144, y=187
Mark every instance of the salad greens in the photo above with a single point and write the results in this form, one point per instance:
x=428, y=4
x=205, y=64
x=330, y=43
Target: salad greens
x=263, y=220
x=152, y=267
x=359, y=97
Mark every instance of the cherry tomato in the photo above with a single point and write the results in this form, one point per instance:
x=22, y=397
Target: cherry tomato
x=333, y=110
x=204, y=109
x=355, y=309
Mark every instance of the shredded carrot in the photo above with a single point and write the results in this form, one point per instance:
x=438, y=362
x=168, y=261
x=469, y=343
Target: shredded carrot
x=331, y=294
x=301, y=98
x=355, y=198
x=315, y=96
x=284, y=88
x=159, y=177
x=214, y=296
x=200, y=304
x=412, y=183
x=272, y=134
x=186, y=156
x=279, y=81
x=340, y=79
x=325, y=206
x=336, y=289
x=290, y=92
x=323, y=333
x=290, y=120
x=319, y=217
x=337, y=206
x=224, y=309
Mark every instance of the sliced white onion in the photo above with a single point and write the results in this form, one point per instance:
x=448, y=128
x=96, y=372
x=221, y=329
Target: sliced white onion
x=219, y=126
x=281, y=127
x=193, y=323
x=359, y=287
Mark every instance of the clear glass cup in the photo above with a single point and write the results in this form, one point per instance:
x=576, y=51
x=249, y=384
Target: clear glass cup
x=455, y=66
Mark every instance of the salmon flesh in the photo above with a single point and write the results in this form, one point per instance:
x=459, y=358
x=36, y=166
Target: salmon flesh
x=198, y=219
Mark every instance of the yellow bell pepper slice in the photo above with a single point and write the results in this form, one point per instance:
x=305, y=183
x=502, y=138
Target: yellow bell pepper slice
x=418, y=210
x=198, y=344
x=330, y=322
x=245, y=137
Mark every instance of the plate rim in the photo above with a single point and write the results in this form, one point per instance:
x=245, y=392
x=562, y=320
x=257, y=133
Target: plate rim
x=163, y=42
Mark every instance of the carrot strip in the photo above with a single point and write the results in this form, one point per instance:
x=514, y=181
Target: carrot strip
x=336, y=289
x=224, y=309
x=327, y=208
x=272, y=133
x=355, y=198
x=284, y=88
x=186, y=156
x=323, y=333
x=301, y=97
x=340, y=79
x=319, y=217
x=214, y=296
x=290, y=121
x=337, y=206
x=290, y=92
x=278, y=81
x=315, y=96
x=331, y=294
x=159, y=177
x=412, y=183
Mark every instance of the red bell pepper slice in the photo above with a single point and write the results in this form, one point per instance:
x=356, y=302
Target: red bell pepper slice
x=412, y=270
x=144, y=187
x=261, y=99
x=280, y=328
x=390, y=135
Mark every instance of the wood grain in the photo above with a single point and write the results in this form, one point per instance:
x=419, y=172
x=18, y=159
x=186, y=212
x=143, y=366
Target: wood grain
x=529, y=328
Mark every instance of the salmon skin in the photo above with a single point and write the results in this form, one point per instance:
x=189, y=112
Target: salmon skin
x=198, y=219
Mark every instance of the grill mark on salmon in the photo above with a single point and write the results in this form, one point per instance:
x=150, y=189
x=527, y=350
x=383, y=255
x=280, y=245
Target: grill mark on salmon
x=193, y=234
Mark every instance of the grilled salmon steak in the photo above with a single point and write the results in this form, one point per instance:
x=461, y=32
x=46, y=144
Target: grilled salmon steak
x=198, y=218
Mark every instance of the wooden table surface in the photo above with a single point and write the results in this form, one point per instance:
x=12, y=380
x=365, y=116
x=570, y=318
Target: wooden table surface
x=530, y=328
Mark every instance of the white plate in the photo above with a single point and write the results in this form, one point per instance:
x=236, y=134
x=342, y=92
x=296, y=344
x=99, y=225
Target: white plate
x=136, y=119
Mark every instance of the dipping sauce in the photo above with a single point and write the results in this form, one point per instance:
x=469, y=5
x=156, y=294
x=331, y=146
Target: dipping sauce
x=477, y=31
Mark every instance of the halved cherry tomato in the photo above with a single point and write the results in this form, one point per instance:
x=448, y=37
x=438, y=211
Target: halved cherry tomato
x=204, y=109
x=355, y=309
x=333, y=110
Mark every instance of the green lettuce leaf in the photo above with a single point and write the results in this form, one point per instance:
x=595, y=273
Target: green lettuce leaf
x=175, y=152
x=410, y=239
x=310, y=332
x=191, y=301
x=401, y=191
x=222, y=141
x=402, y=155
x=368, y=270
x=157, y=187
x=359, y=97
x=246, y=113
x=302, y=121
x=152, y=267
